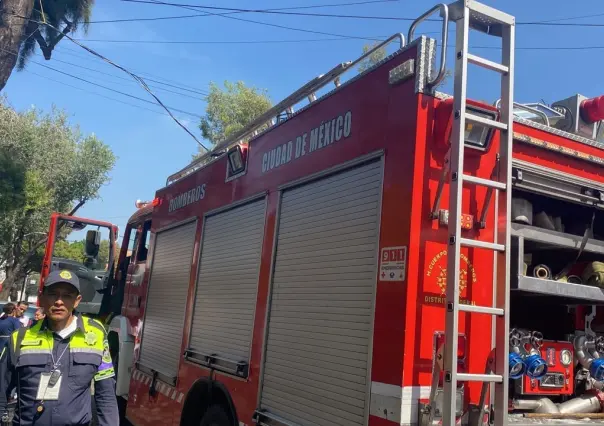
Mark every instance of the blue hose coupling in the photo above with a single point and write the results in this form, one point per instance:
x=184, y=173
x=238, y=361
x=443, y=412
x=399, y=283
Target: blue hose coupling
x=536, y=367
x=596, y=369
x=516, y=365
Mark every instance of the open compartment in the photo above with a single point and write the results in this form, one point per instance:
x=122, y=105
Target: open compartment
x=557, y=240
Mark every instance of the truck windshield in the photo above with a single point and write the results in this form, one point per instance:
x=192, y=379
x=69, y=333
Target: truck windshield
x=86, y=250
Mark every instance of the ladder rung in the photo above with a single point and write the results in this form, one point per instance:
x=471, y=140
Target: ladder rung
x=481, y=309
x=481, y=244
x=472, y=118
x=484, y=182
x=485, y=63
x=467, y=377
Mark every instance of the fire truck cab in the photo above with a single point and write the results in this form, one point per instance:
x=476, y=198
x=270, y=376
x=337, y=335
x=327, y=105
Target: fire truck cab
x=387, y=254
x=93, y=266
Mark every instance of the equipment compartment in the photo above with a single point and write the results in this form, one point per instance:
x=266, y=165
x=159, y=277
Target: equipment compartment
x=556, y=250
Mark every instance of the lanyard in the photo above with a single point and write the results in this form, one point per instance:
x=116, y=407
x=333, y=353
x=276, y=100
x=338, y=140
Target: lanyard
x=57, y=363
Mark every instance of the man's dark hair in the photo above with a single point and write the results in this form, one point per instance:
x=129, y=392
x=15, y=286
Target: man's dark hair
x=23, y=302
x=8, y=309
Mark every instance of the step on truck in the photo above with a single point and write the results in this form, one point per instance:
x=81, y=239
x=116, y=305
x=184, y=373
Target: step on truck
x=381, y=254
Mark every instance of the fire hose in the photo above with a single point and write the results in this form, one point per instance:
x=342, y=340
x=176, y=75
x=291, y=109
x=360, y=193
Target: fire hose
x=593, y=274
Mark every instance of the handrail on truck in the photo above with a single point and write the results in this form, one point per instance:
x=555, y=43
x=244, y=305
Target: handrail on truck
x=444, y=13
x=266, y=119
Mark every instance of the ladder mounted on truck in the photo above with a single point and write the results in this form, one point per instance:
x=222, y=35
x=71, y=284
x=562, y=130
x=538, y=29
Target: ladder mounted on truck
x=469, y=14
x=285, y=108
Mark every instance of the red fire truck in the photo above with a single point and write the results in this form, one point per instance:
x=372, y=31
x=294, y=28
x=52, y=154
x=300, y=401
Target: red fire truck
x=385, y=255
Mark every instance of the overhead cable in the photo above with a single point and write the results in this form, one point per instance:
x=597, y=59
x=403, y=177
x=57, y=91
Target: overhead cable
x=282, y=11
x=134, y=76
x=199, y=15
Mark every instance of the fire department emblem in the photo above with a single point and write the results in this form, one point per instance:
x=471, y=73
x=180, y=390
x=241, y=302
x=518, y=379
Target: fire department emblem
x=437, y=267
x=441, y=280
x=66, y=275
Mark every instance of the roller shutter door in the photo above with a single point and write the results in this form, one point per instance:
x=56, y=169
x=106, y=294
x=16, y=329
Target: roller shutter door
x=320, y=325
x=167, y=298
x=227, y=283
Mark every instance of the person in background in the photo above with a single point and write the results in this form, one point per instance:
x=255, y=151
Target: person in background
x=39, y=315
x=8, y=323
x=23, y=305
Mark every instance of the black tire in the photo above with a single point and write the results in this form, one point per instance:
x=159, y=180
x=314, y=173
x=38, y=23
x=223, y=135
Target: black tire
x=216, y=416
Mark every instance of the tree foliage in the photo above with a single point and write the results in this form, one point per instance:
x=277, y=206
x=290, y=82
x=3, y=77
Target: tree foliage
x=230, y=109
x=62, y=170
x=374, y=57
x=76, y=250
x=23, y=27
x=12, y=183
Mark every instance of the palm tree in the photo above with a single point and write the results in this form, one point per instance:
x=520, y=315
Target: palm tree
x=20, y=31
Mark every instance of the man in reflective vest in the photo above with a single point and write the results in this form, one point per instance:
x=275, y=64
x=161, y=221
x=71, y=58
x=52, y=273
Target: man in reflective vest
x=54, y=362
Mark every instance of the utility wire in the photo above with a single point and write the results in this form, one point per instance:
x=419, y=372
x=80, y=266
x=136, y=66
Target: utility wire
x=95, y=93
x=134, y=76
x=112, y=90
x=282, y=11
x=100, y=85
x=257, y=22
x=160, y=79
x=198, y=15
x=124, y=78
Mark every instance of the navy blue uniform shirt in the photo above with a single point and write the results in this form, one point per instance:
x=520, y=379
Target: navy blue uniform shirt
x=74, y=404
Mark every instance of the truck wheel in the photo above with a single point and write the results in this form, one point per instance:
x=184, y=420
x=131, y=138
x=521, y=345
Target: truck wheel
x=215, y=416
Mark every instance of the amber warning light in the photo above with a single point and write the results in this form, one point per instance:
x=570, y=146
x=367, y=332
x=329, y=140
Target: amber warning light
x=592, y=110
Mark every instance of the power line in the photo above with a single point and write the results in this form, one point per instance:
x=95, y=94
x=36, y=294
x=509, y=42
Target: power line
x=282, y=11
x=95, y=93
x=331, y=39
x=198, y=15
x=161, y=80
x=111, y=89
x=223, y=41
x=257, y=22
x=134, y=76
x=124, y=78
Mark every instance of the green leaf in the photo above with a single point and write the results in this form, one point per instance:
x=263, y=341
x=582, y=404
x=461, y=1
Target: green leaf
x=230, y=109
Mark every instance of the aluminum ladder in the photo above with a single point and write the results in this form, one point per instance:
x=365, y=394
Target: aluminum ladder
x=469, y=14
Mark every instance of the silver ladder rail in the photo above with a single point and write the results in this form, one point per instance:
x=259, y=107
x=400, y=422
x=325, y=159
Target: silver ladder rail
x=469, y=14
x=271, y=117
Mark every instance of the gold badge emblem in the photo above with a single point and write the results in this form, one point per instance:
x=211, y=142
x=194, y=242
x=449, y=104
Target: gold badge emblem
x=90, y=338
x=66, y=275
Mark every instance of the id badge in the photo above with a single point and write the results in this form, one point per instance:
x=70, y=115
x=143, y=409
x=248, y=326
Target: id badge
x=50, y=385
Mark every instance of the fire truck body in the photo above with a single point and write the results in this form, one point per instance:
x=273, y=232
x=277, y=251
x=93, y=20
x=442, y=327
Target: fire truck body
x=300, y=278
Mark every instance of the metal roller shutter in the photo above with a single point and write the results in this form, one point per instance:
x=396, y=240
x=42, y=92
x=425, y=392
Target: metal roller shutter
x=320, y=326
x=227, y=283
x=166, y=300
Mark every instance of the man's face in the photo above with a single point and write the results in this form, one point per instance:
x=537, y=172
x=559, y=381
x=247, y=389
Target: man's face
x=38, y=315
x=22, y=308
x=59, y=301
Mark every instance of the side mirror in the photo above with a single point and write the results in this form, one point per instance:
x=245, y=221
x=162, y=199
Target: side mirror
x=93, y=243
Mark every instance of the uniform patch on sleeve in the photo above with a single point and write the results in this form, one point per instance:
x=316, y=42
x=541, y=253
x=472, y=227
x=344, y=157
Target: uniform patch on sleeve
x=105, y=370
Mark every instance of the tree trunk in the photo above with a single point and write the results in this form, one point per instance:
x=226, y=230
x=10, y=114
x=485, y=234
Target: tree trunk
x=11, y=31
x=11, y=281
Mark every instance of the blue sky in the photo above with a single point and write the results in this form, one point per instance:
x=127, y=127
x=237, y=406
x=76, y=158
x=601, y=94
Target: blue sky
x=150, y=146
